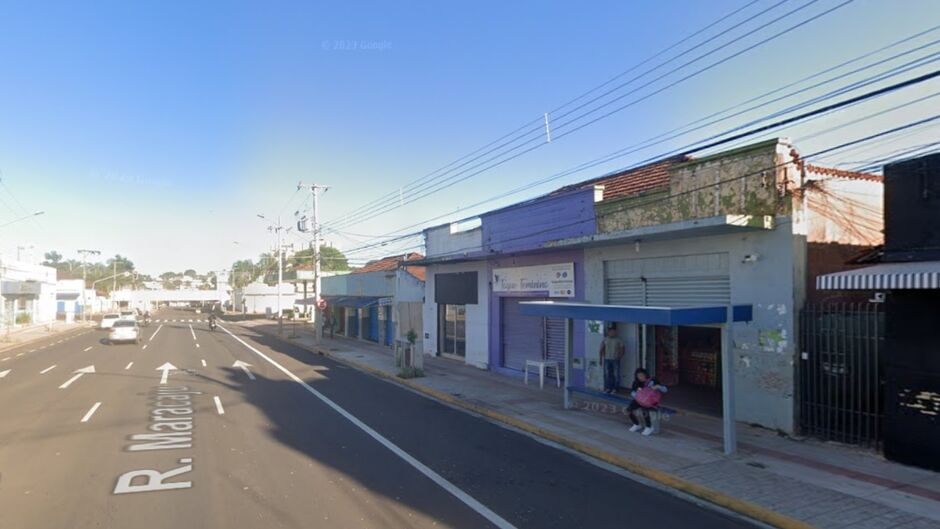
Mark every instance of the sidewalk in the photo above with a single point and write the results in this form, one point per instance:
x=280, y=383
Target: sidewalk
x=777, y=480
x=37, y=332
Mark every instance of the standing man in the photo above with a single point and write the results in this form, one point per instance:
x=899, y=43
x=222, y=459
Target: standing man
x=611, y=352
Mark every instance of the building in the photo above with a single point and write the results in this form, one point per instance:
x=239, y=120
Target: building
x=380, y=302
x=28, y=293
x=728, y=229
x=259, y=298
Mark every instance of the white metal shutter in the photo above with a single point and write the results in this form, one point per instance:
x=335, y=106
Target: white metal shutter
x=523, y=337
x=555, y=342
x=674, y=281
x=693, y=291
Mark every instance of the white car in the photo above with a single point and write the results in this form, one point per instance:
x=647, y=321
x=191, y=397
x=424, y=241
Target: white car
x=107, y=321
x=128, y=315
x=124, y=331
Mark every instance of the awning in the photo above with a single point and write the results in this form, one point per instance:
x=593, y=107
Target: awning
x=636, y=314
x=885, y=276
x=356, y=302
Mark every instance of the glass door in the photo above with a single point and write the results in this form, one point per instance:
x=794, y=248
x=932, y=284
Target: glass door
x=453, y=329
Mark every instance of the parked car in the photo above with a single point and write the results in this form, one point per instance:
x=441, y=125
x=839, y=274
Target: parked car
x=107, y=321
x=124, y=331
x=128, y=315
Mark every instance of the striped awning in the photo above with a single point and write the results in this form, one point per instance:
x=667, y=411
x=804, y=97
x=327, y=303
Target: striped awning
x=885, y=276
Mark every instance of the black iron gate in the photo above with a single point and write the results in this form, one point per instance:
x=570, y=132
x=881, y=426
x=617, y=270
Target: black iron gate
x=840, y=372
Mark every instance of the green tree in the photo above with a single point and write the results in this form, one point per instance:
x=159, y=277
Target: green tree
x=53, y=259
x=243, y=273
x=331, y=259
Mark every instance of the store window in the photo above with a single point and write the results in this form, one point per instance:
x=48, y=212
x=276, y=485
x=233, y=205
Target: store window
x=453, y=329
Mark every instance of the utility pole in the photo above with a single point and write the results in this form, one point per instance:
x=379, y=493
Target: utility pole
x=84, y=281
x=280, y=269
x=315, y=216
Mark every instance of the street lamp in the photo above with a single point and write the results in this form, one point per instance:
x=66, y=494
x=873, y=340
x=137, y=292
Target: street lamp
x=36, y=214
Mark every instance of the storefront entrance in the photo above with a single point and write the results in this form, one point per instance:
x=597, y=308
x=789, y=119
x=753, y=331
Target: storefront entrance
x=528, y=337
x=688, y=361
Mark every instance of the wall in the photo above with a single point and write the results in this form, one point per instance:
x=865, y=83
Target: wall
x=379, y=284
x=565, y=256
x=477, y=315
x=528, y=225
x=439, y=241
x=764, y=349
x=746, y=180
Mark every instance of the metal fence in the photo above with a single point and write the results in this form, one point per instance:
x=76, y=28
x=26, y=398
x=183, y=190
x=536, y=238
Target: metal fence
x=840, y=374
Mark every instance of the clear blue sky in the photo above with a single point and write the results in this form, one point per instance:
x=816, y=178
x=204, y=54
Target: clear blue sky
x=160, y=130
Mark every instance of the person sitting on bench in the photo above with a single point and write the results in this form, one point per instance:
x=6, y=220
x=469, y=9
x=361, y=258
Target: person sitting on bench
x=646, y=393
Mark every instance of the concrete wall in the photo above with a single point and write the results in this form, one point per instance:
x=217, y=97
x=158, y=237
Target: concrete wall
x=748, y=180
x=477, y=315
x=377, y=284
x=765, y=349
x=444, y=241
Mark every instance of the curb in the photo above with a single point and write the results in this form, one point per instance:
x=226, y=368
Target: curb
x=745, y=508
x=6, y=346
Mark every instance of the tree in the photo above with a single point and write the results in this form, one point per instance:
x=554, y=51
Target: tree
x=331, y=259
x=53, y=259
x=190, y=272
x=243, y=273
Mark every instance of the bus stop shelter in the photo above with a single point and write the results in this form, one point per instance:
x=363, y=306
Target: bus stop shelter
x=721, y=315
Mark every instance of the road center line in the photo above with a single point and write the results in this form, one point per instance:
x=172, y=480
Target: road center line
x=197, y=345
x=458, y=493
x=46, y=370
x=218, y=405
x=88, y=348
x=91, y=412
x=155, y=332
x=19, y=354
x=144, y=347
x=128, y=366
x=192, y=331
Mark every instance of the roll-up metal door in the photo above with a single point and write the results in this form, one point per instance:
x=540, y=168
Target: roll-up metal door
x=625, y=291
x=523, y=337
x=555, y=342
x=694, y=291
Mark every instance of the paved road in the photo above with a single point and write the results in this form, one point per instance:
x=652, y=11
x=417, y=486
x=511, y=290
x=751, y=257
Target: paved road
x=249, y=432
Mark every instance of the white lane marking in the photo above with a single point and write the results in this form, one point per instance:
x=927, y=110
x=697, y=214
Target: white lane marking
x=155, y=332
x=203, y=362
x=46, y=370
x=218, y=406
x=144, y=347
x=78, y=375
x=244, y=366
x=190, y=321
x=88, y=348
x=192, y=331
x=32, y=350
x=197, y=345
x=19, y=354
x=166, y=368
x=91, y=412
x=5, y=373
x=467, y=499
x=128, y=366
x=5, y=359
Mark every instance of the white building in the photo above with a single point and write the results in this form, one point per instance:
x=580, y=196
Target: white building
x=259, y=298
x=28, y=293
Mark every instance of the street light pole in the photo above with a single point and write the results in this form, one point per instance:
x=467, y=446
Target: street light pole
x=280, y=269
x=317, y=324
x=36, y=214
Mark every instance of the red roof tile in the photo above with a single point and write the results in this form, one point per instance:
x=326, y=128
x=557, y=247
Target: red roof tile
x=392, y=263
x=841, y=173
x=633, y=181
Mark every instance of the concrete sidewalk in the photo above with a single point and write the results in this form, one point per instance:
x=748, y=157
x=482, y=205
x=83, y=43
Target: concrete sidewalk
x=777, y=480
x=35, y=333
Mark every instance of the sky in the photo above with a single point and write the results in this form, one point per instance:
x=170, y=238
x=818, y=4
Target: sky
x=160, y=131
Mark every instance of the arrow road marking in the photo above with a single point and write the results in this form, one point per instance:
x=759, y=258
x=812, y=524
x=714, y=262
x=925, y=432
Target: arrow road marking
x=155, y=332
x=218, y=405
x=78, y=375
x=91, y=412
x=166, y=368
x=46, y=370
x=244, y=366
x=5, y=373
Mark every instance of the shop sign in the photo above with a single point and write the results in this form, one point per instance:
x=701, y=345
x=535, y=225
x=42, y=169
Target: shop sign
x=20, y=288
x=556, y=279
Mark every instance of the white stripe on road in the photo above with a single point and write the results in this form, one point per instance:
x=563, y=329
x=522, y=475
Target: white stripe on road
x=458, y=493
x=144, y=347
x=218, y=406
x=46, y=370
x=203, y=362
x=91, y=412
x=5, y=359
x=155, y=332
x=19, y=354
x=197, y=345
x=192, y=331
x=32, y=350
x=128, y=366
x=89, y=348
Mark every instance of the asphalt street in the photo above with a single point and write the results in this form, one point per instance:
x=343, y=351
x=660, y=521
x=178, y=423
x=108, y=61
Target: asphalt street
x=230, y=428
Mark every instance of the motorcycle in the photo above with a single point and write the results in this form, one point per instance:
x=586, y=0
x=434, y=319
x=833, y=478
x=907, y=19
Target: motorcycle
x=211, y=325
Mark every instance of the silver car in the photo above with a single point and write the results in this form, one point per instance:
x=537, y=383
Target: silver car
x=124, y=331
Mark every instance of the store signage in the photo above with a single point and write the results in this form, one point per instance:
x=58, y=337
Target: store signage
x=556, y=279
x=20, y=288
